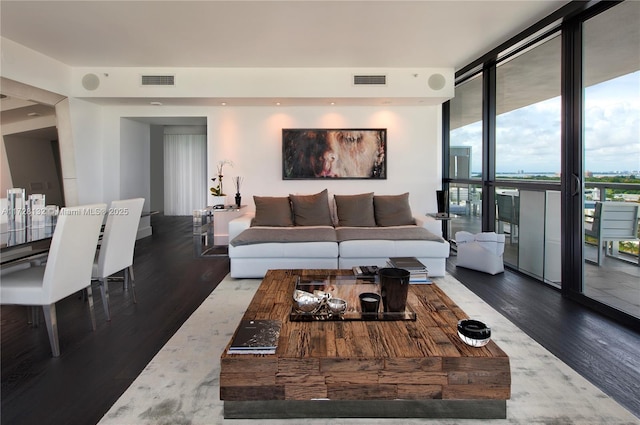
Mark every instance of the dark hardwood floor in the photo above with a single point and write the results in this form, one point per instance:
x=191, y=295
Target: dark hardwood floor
x=95, y=368
x=599, y=349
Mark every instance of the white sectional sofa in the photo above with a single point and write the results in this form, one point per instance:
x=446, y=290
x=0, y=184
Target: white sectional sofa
x=315, y=232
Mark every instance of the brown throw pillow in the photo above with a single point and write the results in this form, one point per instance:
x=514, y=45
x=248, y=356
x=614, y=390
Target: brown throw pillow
x=272, y=211
x=355, y=210
x=393, y=210
x=311, y=210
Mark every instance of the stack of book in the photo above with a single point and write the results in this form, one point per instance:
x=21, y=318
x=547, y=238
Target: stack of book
x=365, y=271
x=418, y=270
x=256, y=337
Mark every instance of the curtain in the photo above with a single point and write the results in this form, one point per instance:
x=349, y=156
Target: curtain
x=185, y=173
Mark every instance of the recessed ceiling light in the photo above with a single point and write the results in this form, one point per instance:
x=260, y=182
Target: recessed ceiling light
x=277, y=103
x=156, y=103
x=224, y=103
x=333, y=103
x=33, y=114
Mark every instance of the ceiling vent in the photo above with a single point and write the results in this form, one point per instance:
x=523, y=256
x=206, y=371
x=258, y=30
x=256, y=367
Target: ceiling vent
x=158, y=80
x=369, y=80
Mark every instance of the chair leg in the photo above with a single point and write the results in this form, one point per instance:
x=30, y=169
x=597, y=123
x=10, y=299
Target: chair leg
x=128, y=277
x=91, y=311
x=600, y=254
x=104, y=290
x=51, y=320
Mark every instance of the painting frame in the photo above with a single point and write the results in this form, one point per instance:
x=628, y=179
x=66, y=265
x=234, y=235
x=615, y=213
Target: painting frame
x=334, y=153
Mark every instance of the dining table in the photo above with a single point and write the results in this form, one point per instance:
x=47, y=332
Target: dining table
x=20, y=241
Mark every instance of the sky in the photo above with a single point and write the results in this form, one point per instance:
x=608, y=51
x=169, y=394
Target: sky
x=528, y=138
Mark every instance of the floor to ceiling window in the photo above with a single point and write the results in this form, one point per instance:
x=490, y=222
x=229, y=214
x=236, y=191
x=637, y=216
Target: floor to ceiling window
x=611, y=170
x=527, y=140
x=569, y=84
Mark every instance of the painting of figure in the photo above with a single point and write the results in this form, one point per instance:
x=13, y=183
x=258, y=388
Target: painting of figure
x=334, y=153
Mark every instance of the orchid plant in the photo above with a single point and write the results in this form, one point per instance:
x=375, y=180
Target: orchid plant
x=217, y=190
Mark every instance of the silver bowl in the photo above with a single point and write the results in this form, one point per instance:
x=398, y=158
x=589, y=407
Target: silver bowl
x=474, y=332
x=336, y=305
x=306, y=302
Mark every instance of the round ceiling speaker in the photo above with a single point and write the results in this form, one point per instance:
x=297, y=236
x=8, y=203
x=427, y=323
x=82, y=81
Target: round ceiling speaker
x=437, y=82
x=90, y=81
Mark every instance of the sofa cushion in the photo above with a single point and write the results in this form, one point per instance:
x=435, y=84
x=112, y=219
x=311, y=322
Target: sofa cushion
x=355, y=210
x=258, y=235
x=392, y=210
x=272, y=211
x=311, y=210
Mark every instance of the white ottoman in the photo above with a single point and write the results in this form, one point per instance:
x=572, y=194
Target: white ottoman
x=482, y=252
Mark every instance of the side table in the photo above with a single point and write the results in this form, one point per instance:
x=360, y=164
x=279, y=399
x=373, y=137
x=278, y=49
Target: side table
x=446, y=223
x=211, y=229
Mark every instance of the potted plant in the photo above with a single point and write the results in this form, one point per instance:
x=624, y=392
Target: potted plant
x=217, y=192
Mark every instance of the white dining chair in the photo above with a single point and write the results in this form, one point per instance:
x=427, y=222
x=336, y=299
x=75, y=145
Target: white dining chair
x=115, y=253
x=67, y=271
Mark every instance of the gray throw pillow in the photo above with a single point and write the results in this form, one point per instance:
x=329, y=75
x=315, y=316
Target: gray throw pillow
x=272, y=211
x=355, y=210
x=311, y=210
x=393, y=210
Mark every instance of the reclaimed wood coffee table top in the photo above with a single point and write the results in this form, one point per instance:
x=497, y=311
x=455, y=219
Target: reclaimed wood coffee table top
x=417, y=359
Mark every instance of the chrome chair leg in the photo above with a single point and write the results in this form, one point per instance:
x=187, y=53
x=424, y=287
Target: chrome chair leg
x=91, y=311
x=128, y=277
x=104, y=290
x=52, y=328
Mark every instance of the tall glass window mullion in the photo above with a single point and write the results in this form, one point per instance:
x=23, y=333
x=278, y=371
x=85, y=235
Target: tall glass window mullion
x=465, y=156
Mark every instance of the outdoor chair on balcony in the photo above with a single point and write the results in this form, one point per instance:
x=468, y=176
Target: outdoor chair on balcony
x=508, y=211
x=612, y=222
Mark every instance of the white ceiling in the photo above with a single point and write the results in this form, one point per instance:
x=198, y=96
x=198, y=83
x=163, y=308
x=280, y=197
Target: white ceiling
x=264, y=33
x=294, y=33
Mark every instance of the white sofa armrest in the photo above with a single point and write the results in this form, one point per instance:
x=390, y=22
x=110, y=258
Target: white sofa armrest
x=237, y=225
x=429, y=223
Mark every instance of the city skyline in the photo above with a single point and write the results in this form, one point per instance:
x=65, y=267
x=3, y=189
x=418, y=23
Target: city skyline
x=528, y=138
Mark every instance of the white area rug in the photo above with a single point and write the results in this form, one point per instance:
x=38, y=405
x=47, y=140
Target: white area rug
x=180, y=385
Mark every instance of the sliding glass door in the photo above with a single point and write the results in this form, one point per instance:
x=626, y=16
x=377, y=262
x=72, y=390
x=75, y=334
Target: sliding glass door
x=611, y=157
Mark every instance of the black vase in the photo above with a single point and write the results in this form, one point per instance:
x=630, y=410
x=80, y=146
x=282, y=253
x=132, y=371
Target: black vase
x=238, y=200
x=442, y=197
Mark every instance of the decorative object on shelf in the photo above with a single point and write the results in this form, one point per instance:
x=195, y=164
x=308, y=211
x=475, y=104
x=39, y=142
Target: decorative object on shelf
x=238, y=181
x=217, y=190
x=334, y=153
x=474, y=332
x=36, y=210
x=218, y=195
x=17, y=208
x=442, y=197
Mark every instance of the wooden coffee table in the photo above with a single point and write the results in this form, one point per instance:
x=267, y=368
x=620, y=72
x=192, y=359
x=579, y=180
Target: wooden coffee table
x=364, y=368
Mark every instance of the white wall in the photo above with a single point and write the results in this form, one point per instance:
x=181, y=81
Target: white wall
x=86, y=126
x=135, y=159
x=251, y=138
x=156, y=171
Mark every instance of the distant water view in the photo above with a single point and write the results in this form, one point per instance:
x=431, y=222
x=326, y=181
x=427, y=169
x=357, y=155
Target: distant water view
x=529, y=174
